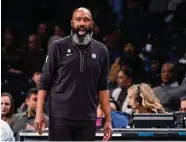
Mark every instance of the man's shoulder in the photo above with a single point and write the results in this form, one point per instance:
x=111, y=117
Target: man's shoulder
x=61, y=41
x=157, y=88
x=18, y=115
x=179, y=89
x=99, y=45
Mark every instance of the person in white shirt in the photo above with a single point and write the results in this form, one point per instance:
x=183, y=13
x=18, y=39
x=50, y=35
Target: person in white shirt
x=6, y=132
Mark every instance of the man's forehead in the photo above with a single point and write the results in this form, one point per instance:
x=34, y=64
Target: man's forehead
x=167, y=66
x=82, y=13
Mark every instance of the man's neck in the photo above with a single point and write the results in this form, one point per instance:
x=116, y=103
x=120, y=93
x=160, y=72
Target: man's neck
x=171, y=83
x=127, y=86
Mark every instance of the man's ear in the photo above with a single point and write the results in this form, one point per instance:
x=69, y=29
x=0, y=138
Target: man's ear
x=93, y=24
x=71, y=23
x=26, y=101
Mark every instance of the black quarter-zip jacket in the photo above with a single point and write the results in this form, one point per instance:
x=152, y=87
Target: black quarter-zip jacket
x=73, y=78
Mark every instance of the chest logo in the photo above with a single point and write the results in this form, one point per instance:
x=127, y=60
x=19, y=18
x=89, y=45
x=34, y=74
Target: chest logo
x=93, y=56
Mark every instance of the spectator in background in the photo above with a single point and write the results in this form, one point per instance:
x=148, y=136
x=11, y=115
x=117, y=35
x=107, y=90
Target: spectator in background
x=183, y=103
x=26, y=119
x=143, y=100
x=112, y=42
x=42, y=36
x=34, y=57
x=169, y=93
x=58, y=34
x=97, y=33
x=120, y=94
x=41, y=29
x=36, y=78
x=113, y=107
x=6, y=132
x=10, y=56
x=130, y=59
x=182, y=70
x=58, y=31
x=7, y=107
x=154, y=77
x=184, y=82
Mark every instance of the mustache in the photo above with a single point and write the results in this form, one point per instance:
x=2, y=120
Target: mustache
x=87, y=30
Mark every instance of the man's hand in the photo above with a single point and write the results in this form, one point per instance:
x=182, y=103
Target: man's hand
x=40, y=122
x=29, y=127
x=107, y=131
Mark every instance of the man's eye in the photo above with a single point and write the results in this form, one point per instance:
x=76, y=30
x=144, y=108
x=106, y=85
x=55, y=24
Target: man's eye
x=78, y=19
x=86, y=20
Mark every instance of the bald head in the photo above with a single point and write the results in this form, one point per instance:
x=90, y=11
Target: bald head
x=84, y=10
x=82, y=26
x=168, y=72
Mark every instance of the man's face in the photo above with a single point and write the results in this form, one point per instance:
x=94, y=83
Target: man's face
x=32, y=102
x=122, y=80
x=36, y=77
x=82, y=27
x=32, y=42
x=8, y=40
x=129, y=48
x=154, y=66
x=42, y=29
x=58, y=31
x=183, y=106
x=166, y=73
x=5, y=105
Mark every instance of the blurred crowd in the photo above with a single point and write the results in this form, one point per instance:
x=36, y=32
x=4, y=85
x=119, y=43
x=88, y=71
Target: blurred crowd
x=146, y=40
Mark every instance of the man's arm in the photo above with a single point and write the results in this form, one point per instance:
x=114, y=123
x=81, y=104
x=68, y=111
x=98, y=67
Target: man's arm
x=47, y=76
x=40, y=101
x=104, y=96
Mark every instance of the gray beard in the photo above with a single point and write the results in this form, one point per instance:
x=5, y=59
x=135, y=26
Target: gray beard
x=83, y=41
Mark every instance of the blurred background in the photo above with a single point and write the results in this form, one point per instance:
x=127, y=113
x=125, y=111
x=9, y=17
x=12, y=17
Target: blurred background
x=140, y=34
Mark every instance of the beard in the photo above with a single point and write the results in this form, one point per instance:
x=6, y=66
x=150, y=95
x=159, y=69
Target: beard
x=81, y=39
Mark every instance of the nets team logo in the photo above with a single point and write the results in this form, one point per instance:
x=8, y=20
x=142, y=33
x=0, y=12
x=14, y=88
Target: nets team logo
x=93, y=56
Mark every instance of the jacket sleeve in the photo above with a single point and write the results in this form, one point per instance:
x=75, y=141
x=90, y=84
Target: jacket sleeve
x=103, y=83
x=49, y=68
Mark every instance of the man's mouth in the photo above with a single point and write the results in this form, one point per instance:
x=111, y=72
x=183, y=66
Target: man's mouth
x=81, y=31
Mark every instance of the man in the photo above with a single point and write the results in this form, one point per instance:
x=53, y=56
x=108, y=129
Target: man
x=34, y=56
x=25, y=120
x=183, y=103
x=119, y=94
x=75, y=70
x=169, y=93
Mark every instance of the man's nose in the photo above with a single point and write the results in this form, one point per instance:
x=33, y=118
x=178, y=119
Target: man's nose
x=82, y=23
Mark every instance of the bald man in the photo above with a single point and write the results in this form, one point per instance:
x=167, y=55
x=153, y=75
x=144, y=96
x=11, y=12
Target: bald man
x=169, y=92
x=75, y=75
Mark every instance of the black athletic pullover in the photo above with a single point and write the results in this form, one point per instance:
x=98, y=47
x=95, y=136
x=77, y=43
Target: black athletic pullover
x=73, y=78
